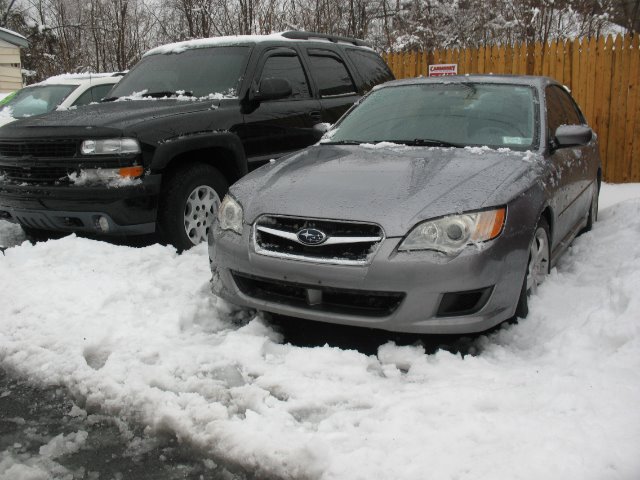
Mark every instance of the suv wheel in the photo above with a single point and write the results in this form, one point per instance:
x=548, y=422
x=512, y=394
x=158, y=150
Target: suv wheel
x=189, y=203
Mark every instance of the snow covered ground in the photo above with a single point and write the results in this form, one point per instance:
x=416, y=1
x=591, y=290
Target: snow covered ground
x=136, y=333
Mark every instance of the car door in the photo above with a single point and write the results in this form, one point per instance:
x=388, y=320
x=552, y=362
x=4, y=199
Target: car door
x=568, y=164
x=334, y=83
x=276, y=127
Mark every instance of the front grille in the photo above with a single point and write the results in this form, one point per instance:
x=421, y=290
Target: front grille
x=40, y=175
x=314, y=297
x=346, y=243
x=44, y=149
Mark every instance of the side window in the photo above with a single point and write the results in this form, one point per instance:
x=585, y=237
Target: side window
x=572, y=114
x=331, y=75
x=93, y=94
x=371, y=67
x=289, y=67
x=555, y=113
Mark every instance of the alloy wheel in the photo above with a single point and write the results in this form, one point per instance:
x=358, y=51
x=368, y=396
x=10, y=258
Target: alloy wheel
x=538, y=260
x=199, y=212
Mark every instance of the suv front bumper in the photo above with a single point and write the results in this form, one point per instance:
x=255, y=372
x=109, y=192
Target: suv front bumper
x=127, y=210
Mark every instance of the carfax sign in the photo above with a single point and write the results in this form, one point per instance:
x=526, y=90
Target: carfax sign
x=442, y=69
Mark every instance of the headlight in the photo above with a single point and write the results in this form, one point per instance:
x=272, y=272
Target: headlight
x=451, y=234
x=230, y=215
x=110, y=146
x=88, y=176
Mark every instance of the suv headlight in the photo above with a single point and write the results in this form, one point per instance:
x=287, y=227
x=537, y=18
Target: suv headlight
x=230, y=216
x=453, y=233
x=110, y=146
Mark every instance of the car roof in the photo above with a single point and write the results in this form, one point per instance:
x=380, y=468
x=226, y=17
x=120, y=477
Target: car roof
x=530, y=80
x=293, y=36
x=80, y=79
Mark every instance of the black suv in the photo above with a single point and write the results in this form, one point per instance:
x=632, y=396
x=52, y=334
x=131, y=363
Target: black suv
x=188, y=120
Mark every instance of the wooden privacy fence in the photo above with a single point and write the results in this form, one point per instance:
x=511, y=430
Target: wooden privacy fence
x=602, y=73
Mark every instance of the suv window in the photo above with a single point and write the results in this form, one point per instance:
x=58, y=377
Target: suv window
x=371, y=67
x=331, y=74
x=93, y=94
x=289, y=67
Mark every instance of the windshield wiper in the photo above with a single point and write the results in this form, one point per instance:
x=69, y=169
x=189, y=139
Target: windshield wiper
x=424, y=142
x=158, y=94
x=342, y=142
x=168, y=93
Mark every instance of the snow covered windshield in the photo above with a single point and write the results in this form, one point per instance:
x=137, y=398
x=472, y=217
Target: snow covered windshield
x=444, y=114
x=197, y=72
x=37, y=100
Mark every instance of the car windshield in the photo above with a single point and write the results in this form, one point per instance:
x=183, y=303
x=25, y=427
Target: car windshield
x=443, y=114
x=197, y=72
x=36, y=100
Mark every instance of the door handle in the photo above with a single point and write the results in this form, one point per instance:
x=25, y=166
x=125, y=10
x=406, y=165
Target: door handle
x=315, y=116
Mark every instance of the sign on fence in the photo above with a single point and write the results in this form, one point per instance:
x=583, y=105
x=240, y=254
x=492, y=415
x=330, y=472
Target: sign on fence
x=442, y=69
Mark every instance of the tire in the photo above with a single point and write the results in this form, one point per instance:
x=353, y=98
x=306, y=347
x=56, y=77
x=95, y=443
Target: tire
x=593, y=210
x=189, y=201
x=537, y=266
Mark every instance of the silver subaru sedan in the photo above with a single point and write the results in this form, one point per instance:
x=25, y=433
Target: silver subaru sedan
x=432, y=206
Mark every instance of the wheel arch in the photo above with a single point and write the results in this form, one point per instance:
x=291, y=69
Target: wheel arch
x=224, y=151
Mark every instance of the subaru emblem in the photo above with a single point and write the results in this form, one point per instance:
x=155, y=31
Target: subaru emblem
x=311, y=236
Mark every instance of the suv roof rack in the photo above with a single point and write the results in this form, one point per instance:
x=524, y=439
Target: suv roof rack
x=300, y=35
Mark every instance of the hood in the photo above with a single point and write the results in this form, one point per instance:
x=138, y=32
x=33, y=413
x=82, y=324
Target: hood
x=395, y=187
x=108, y=116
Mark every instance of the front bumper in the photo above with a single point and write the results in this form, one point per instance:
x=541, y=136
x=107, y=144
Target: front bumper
x=128, y=210
x=421, y=282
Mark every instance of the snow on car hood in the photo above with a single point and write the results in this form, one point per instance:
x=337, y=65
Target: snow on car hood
x=395, y=186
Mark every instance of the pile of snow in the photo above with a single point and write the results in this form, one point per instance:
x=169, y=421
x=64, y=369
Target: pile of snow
x=24, y=466
x=136, y=333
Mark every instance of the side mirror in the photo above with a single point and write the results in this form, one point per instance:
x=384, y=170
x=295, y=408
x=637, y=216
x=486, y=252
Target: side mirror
x=573, y=135
x=273, y=89
x=319, y=129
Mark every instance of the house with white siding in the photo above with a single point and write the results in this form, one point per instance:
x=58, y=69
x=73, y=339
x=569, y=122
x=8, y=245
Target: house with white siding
x=10, y=67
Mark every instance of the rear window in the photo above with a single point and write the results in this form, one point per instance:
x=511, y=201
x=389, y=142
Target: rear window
x=331, y=75
x=371, y=67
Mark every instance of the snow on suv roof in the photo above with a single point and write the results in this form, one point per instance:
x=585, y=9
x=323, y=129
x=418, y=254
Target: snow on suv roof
x=289, y=36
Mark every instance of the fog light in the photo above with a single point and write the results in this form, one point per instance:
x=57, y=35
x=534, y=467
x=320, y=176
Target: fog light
x=102, y=224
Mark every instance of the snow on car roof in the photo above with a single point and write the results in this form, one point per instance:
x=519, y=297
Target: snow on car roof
x=77, y=78
x=216, y=42
x=289, y=36
x=532, y=80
